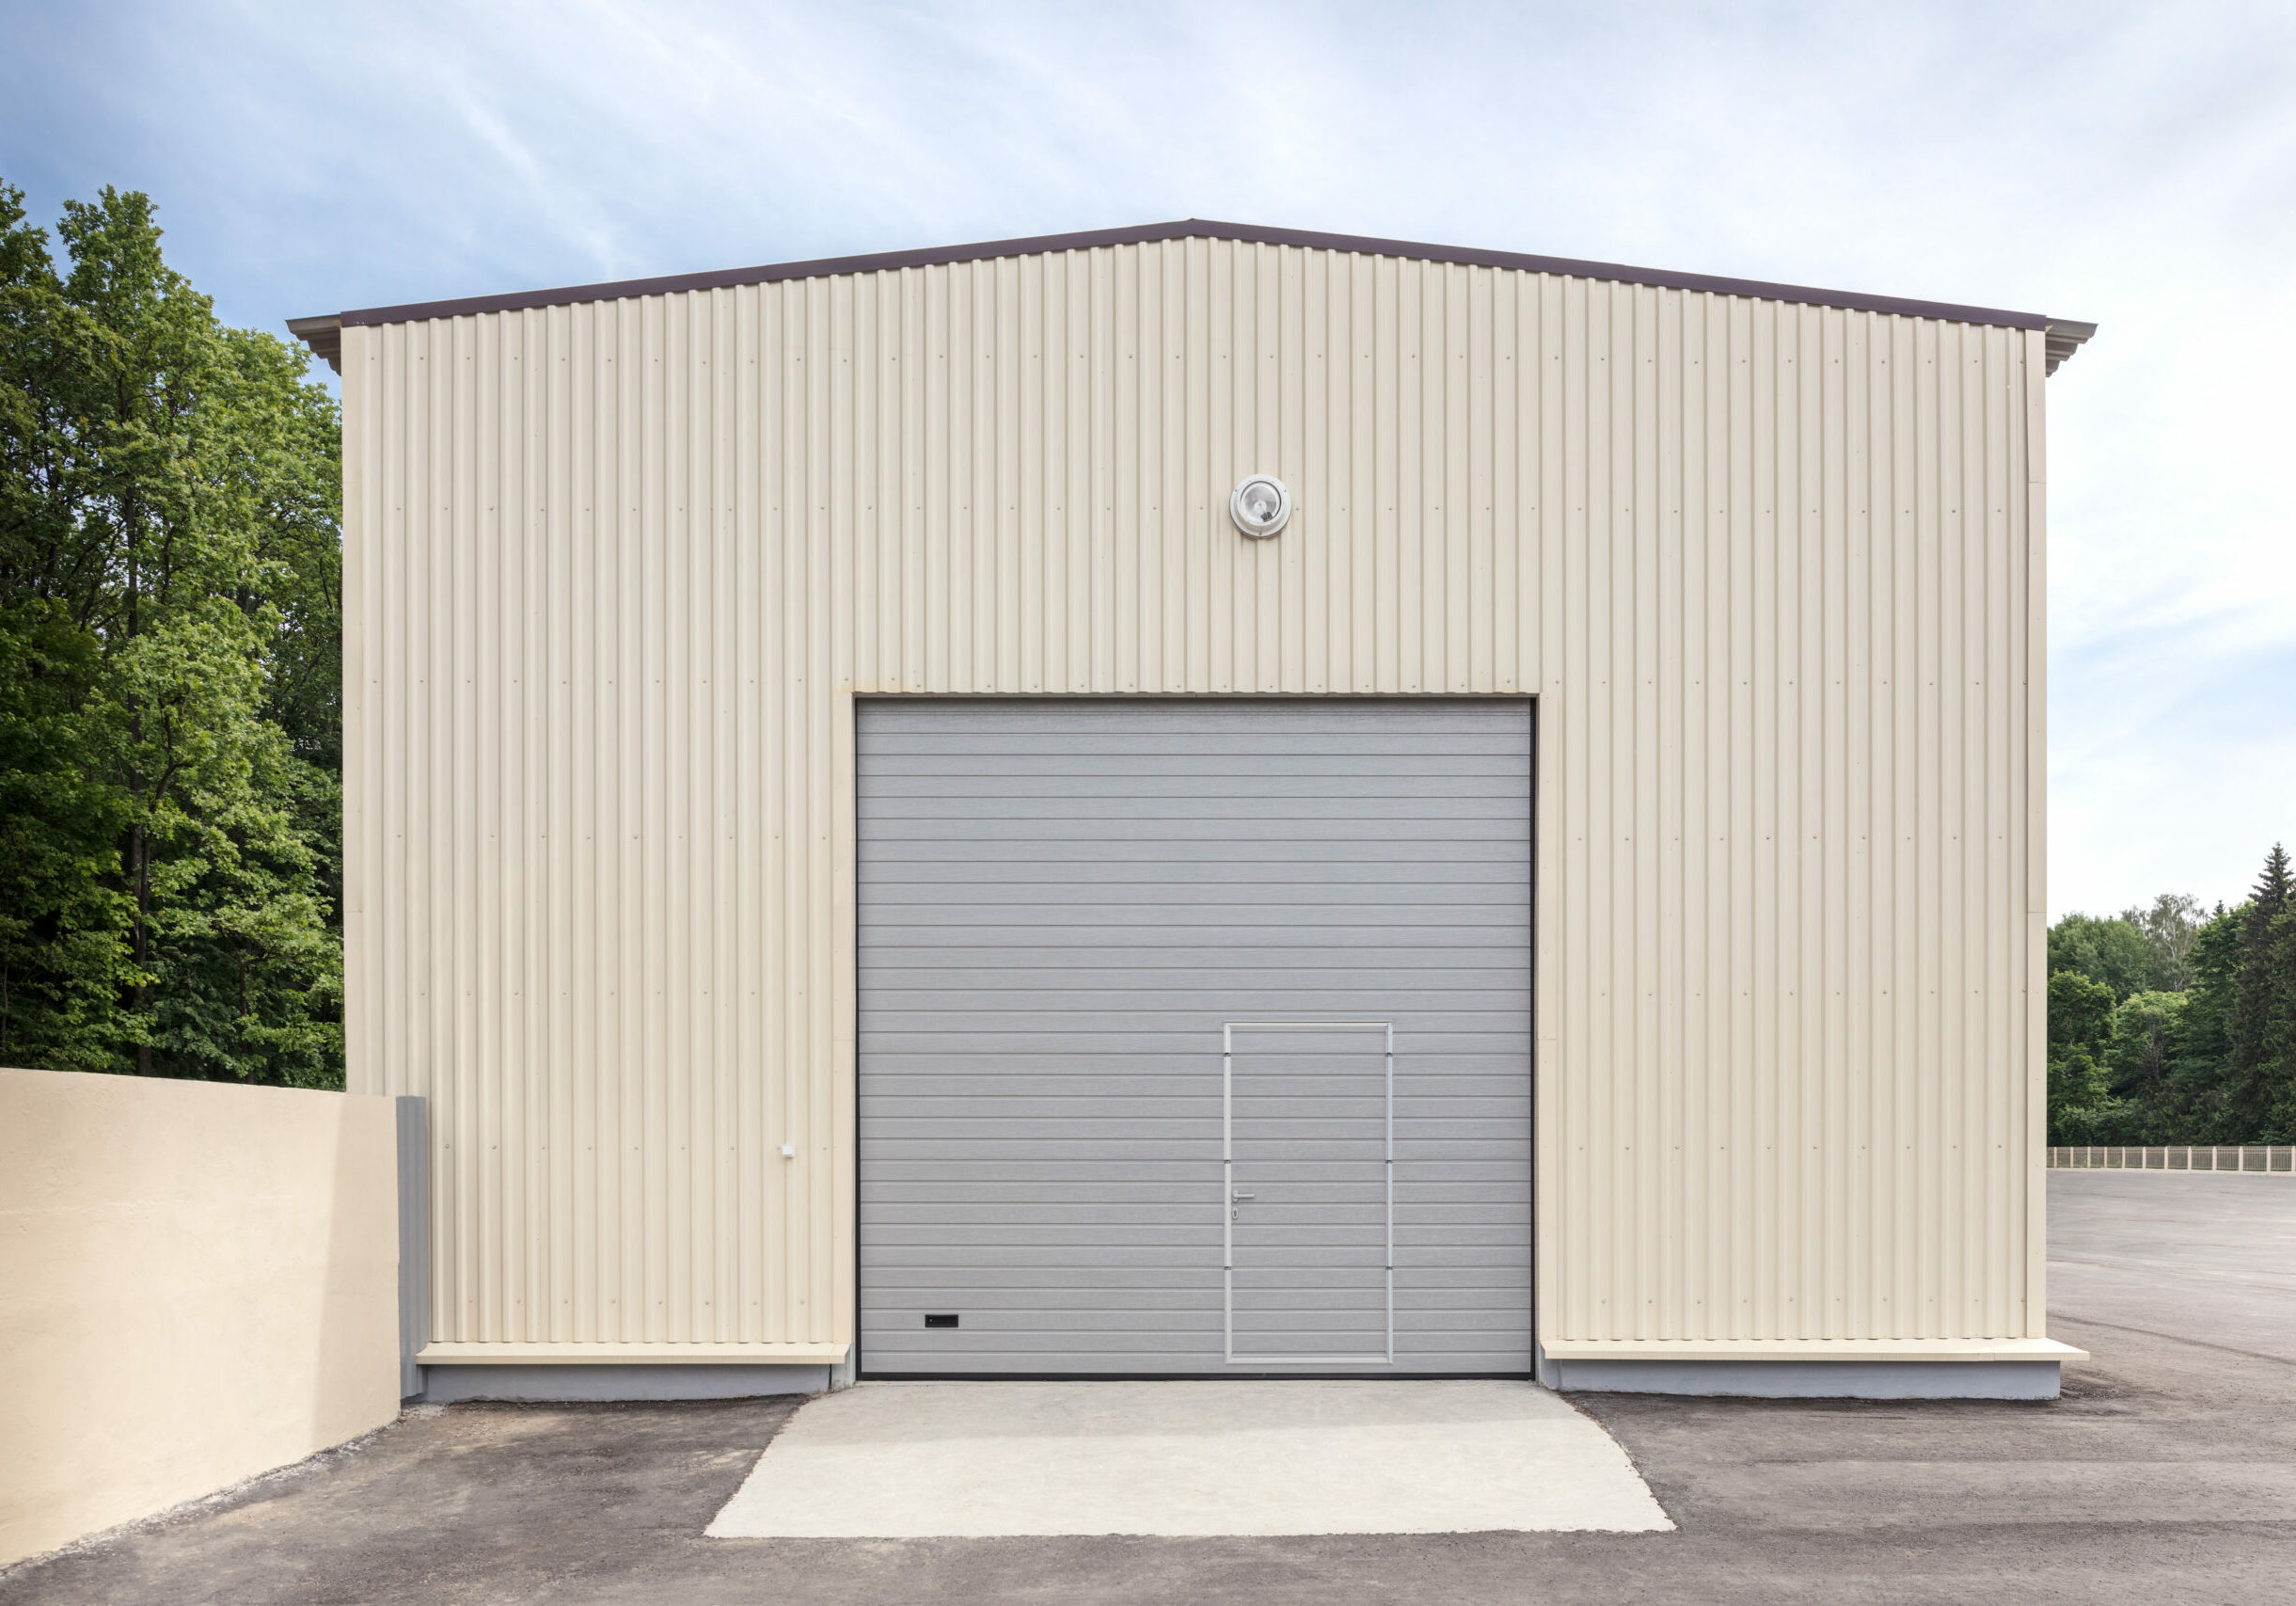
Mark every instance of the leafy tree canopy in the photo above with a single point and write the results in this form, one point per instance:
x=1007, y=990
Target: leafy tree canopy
x=170, y=689
x=2082, y=1109
x=2111, y=952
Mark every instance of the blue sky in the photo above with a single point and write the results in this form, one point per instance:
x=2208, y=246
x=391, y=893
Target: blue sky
x=2133, y=165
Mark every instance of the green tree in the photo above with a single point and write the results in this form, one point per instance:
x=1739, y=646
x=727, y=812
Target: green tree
x=2200, y=1043
x=2169, y=928
x=2263, y=1007
x=63, y=962
x=2108, y=949
x=2141, y=1058
x=2082, y=1109
x=2277, y=1049
x=169, y=577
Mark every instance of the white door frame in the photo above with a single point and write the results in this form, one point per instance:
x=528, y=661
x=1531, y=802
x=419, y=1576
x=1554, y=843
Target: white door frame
x=1228, y=1190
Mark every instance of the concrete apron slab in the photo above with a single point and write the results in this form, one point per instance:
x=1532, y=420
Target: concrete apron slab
x=890, y=1460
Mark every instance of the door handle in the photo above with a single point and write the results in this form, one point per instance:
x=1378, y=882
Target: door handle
x=1243, y=1196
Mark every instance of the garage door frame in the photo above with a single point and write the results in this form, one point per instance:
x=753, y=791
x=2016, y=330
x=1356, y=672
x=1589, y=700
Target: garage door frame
x=857, y=1367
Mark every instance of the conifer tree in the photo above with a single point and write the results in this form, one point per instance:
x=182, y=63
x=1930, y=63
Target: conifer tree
x=2260, y=1005
x=2193, y=1110
x=2276, y=1029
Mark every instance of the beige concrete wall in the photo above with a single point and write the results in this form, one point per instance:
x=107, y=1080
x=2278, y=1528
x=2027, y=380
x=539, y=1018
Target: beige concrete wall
x=615, y=572
x=197, y=1284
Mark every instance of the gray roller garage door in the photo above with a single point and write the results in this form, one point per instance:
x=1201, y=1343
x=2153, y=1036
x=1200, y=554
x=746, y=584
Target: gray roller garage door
x=1194, y=1036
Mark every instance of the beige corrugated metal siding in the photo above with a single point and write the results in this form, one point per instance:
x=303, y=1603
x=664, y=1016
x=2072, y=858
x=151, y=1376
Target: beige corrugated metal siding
x=616, y=569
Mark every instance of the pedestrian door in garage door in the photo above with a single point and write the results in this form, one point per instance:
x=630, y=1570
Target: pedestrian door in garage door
x=1128, y=975
x=1307, y=1148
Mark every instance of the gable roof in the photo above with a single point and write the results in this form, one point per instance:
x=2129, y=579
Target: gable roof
x=323, y=334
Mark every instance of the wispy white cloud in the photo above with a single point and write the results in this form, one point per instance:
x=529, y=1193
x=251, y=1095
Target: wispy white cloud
x=2132, y=163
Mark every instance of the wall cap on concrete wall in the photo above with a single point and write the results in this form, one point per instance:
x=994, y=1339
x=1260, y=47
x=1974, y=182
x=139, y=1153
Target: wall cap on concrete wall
x=628, y=1354
x=1810, y=1349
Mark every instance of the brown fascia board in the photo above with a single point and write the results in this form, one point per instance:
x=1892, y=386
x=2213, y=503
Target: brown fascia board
x=326, y=330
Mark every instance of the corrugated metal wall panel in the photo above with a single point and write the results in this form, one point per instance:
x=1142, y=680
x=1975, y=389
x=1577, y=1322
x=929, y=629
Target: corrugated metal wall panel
x=615, y=570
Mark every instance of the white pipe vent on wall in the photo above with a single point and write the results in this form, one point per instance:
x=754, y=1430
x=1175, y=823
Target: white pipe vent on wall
x=1260, y=504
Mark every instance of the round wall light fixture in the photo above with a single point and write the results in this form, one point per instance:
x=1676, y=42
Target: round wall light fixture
x=1260, y=506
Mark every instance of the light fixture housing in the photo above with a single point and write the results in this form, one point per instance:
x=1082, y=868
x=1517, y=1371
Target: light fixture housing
x=1260, y=504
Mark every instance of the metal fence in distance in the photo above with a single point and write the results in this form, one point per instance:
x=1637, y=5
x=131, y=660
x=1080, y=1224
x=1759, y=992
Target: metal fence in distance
x=2176, y=1157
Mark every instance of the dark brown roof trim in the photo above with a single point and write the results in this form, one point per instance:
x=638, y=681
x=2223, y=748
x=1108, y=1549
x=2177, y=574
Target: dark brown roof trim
x=1190, y=229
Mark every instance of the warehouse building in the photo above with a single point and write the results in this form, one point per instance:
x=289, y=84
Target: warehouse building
x=1205, y=801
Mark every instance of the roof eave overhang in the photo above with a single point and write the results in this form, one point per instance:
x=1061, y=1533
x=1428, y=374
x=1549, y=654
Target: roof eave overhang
x=323, y=335
x=2066, y=337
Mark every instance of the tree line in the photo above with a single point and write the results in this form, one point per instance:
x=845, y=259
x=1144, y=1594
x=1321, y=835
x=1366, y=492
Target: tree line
x=170, y=730
x=2177, y=1024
